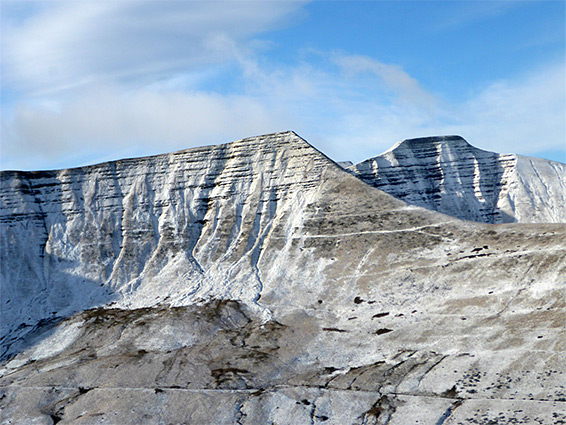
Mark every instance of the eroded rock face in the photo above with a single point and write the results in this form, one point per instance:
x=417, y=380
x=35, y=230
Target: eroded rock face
x=177, y=227
x=304, y=296
x=448, y=175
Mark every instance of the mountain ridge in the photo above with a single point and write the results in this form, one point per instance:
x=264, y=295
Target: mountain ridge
x=243, y=285
x=102, y=211
x=153, y=156
x=448, y=175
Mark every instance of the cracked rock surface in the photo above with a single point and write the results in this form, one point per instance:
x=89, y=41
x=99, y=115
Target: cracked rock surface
x=258, y=282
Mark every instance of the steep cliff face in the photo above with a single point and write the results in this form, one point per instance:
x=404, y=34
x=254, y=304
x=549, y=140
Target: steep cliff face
x=258, y=282
x=177, y=227
x=448, y=175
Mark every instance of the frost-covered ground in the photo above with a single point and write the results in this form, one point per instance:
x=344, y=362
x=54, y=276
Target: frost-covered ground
x=258, y=282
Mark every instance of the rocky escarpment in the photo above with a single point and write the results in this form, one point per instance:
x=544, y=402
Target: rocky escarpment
x=448, y=175
x=286, y=291
x=176, y=227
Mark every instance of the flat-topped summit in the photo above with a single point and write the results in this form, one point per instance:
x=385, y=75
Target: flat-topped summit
x=448, y=175
x=432, y=139
x=435, y=139
x=430, y=142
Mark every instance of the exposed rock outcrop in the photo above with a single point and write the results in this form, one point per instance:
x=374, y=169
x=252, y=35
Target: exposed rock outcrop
x=178, y=227
x=448, y=175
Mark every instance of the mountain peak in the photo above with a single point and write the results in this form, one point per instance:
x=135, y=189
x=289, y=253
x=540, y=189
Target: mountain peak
x=449, y=175
x=435, y=139
x=165, y=209
x=430, y=141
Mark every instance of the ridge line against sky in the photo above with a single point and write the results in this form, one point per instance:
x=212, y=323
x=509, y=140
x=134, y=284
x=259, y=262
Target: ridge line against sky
x=89, y=81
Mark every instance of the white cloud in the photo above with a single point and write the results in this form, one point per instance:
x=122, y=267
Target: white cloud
x=91, y=79
x=527, y=114
x=70, y=43
x=344, y=116
x=107, y=123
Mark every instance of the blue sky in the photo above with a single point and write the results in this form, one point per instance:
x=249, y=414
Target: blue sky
x=89, y=81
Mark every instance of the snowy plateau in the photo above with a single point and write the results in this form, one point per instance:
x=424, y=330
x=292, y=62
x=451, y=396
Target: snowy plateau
x=260, y=282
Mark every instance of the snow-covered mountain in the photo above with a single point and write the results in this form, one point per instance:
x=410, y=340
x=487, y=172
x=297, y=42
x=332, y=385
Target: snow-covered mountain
x=259, y=282
x=177, y=227
x=448, y=175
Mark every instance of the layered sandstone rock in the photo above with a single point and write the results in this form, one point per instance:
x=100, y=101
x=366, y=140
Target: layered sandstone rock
x=448, y=175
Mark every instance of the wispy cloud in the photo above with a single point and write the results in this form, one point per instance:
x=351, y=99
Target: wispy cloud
x=71, y=43
x=406, y=88
x=526, y=113
x=464, y=13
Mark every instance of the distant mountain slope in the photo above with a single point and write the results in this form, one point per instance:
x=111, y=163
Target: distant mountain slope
x=448, y=175
x=258, y=282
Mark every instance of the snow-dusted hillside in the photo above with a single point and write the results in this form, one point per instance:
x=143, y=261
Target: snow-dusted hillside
x=259, y=282
x=133, y=233
x=448, y=175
